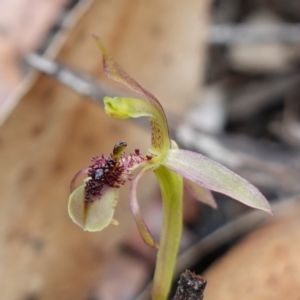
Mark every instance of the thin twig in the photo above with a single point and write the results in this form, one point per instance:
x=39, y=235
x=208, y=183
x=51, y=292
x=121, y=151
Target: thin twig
x=222, y=34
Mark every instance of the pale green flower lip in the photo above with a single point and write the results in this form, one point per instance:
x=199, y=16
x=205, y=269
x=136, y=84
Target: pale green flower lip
x=96, y=215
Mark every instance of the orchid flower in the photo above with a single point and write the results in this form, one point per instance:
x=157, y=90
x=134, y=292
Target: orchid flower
x=92, y=204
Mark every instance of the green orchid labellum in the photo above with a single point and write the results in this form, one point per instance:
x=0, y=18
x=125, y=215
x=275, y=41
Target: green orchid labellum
x=92, y=204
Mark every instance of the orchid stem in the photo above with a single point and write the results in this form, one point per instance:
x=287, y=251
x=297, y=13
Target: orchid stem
x=171, y=186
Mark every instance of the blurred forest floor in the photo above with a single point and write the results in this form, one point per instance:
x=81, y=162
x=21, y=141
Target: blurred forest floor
x=24, y=24
x=241, y=107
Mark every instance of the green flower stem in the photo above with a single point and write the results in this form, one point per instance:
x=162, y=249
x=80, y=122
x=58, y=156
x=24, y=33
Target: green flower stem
x=171, y=186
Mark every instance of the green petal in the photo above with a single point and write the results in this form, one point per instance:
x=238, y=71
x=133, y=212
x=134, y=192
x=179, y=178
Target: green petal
x=142, y=227
x=96, y=215
x=79, y=173
x=213, y=176
x=124, y=108
x=199, y=193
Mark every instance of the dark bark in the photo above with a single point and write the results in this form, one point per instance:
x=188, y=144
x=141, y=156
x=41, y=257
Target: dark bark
x=190, y=287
